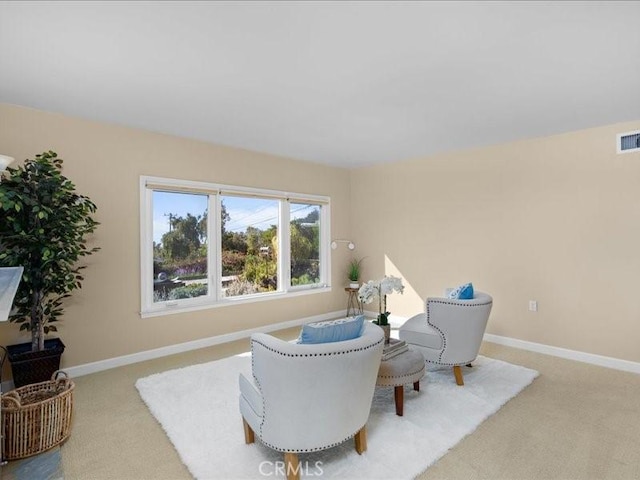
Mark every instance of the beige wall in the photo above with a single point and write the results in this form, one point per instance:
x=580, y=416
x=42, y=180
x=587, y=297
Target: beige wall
x=554, y=219
x=105, y=162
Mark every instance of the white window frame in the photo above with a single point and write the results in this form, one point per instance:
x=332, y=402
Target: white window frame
x=214, y=299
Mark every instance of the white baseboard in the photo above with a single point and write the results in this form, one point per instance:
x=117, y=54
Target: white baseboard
x=600, y=360
x=396, y=321
x=94, y=367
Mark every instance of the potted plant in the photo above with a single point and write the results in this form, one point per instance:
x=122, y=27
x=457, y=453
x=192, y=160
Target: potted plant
x=43, y=227
x=380, y=289
x=353, y=273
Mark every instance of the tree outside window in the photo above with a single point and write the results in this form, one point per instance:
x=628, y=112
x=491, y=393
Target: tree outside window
x=203, y=247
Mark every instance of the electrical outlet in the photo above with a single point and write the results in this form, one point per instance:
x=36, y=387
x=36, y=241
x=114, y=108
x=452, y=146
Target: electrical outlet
x=533, y=306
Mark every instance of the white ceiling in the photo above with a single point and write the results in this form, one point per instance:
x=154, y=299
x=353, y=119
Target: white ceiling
x=342, y=83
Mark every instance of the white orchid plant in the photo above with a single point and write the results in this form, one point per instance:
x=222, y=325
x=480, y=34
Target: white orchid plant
x=380, y=289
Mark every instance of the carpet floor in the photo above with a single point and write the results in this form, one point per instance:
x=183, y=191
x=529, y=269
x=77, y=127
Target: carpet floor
x=197, y=406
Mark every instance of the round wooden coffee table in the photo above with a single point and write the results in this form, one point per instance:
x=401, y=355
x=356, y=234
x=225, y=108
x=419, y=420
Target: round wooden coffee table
x=408, y=367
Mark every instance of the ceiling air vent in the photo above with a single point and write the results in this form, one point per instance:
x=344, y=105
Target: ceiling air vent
x=629, y=142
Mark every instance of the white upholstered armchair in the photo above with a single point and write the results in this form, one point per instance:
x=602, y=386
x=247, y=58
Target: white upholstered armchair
x=305, y=398
x=450, y=331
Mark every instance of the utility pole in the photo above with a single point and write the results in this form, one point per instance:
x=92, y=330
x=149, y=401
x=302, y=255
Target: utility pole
x=171, y=217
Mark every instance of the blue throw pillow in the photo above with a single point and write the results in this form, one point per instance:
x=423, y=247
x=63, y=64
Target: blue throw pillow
x=332, y=331
x=463, y=292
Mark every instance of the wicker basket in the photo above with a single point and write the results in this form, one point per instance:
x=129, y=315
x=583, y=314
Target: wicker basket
x=37, y=417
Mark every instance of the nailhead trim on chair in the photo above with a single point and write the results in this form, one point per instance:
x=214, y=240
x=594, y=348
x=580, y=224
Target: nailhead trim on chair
x=458, y=303
x=317, y=449
x=303, y=450
x=444, y=339
x=450, y=364
x=406, y=375
x=326, y=354
x=260, y=389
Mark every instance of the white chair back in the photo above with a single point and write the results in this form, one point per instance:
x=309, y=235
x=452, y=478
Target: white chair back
x=461, y=323
x=315, y=396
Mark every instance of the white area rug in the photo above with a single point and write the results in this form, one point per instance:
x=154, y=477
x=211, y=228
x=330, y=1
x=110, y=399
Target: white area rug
x=198, y=408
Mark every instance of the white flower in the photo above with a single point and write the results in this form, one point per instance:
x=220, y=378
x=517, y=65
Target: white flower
x=380, y=289
x=368, y=291
x=390, y=284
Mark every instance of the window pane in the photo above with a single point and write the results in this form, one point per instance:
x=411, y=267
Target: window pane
x=249, y=245
x=179, y=246
x=305, y=243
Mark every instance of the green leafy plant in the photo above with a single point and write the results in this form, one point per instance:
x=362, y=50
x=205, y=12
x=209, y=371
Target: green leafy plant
x=43, y=227
x=353, y=271
x=188, y=291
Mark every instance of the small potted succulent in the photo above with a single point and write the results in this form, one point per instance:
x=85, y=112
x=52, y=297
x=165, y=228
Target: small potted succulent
x=43, y=228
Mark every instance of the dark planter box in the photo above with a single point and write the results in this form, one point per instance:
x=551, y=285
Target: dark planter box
x=34, y=367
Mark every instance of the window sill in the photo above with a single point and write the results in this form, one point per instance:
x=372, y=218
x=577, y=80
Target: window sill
x=164, y=309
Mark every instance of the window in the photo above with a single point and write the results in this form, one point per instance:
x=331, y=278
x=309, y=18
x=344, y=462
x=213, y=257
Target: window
x=206, y=245
x=304, y=234
x=179, y=246
x=249, y=231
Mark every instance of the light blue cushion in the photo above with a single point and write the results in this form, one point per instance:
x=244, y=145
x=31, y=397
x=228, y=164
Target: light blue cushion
x=332, y=331
x=463, y=292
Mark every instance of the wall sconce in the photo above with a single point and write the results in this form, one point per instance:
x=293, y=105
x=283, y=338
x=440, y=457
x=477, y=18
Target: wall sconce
x=350, y=245
x=4, y=162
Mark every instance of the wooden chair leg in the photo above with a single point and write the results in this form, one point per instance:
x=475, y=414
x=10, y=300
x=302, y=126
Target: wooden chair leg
x=249, y=436
x=361, y=440
x=292, y=465
x=458, y=373
x=416, y=386
x=399, y=397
